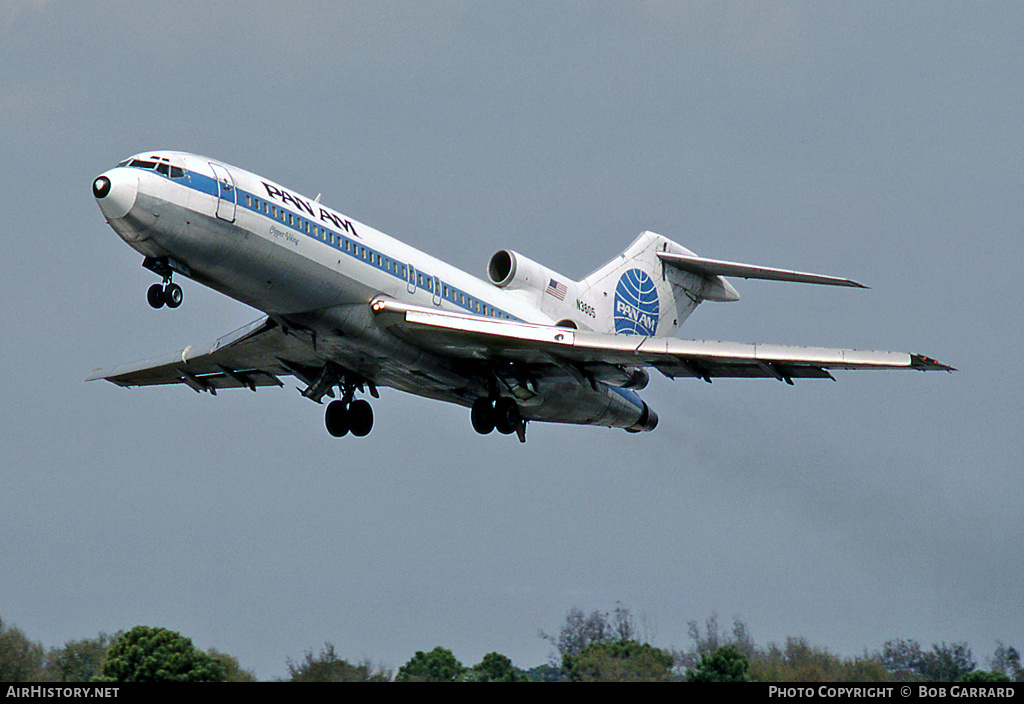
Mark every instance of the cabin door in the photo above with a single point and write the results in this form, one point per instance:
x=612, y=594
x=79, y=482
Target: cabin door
x=226, y=194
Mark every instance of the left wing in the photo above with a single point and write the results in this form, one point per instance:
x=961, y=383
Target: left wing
x=478, y=337
x=254, y=355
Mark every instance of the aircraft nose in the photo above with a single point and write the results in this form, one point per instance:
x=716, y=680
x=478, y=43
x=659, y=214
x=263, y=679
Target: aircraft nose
x=115, y=192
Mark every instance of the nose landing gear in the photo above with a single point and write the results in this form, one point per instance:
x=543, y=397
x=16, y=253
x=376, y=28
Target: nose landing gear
x=168, y=293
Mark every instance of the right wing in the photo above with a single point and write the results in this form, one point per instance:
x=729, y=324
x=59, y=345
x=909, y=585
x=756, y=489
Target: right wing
x=475, y=337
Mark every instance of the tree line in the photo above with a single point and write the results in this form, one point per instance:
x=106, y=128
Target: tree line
x=594, y=646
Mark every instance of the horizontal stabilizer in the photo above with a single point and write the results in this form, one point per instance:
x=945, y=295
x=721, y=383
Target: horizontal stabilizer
x=715, y=267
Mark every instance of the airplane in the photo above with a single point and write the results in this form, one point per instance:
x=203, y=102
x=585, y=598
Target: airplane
x=348, y=309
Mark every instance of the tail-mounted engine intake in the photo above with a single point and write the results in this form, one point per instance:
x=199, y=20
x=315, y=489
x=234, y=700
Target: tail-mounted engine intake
x=508, y=269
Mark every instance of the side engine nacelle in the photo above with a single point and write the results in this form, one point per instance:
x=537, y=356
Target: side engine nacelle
x=511, y=270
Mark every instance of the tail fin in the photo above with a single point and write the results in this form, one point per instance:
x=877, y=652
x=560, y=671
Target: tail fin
x=638, y=294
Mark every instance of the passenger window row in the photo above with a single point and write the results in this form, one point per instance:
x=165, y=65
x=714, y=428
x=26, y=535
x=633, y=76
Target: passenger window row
x=373, y=258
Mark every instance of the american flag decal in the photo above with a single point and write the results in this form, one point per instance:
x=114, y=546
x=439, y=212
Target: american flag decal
x=557, y=289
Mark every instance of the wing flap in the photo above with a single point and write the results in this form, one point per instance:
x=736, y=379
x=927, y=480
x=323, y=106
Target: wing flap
x=710, y=369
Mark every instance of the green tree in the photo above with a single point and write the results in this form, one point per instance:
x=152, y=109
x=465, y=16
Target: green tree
x=581, y=629
x=902, y=658
x=77, y=660
x=727, y=664
x=799, y=661
x=439, y=665
x=943, y=663
x=982, y=676
x=495, y=667
x=328, y=667
x=618, y=661
x=947, y=663
x=1006, y=660
x=21, y=660
x=146, y=654
x=544, y=673
x=233, y=671
x=713, y=637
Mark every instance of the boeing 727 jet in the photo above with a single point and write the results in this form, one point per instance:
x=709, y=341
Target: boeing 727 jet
x=347, y=309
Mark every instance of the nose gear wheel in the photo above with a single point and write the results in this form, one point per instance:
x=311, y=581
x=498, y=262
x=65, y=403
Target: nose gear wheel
x=168, y=293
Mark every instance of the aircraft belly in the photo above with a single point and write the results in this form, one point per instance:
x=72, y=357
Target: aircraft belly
x=562, y=400
x=389, y=361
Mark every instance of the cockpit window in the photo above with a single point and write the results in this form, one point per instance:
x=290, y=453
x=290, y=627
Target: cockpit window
x=160, y=164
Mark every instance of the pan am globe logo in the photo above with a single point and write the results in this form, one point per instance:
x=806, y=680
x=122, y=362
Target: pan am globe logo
x=636, y=304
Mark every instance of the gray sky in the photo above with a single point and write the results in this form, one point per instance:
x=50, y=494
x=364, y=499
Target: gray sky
x=877, y=141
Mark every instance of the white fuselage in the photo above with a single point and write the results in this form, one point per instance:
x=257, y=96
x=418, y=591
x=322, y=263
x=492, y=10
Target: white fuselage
x=291, y=257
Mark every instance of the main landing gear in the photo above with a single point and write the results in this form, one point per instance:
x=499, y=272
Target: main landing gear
x=348, y=416
x=501, y=414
